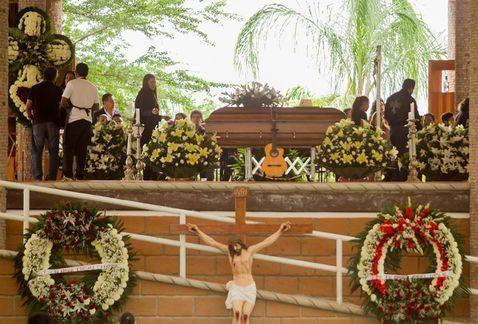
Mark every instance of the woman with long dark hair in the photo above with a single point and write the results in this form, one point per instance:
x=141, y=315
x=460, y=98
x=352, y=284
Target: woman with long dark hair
x=359, y=110
x=147, y=103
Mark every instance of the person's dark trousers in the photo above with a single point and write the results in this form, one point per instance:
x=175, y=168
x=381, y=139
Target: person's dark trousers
x=50, y=133
x=148, y=172
x=399, y=139
x=77, y=138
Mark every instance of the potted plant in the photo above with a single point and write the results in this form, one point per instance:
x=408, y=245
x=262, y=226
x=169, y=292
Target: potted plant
x=354, y=152
x=177, y=151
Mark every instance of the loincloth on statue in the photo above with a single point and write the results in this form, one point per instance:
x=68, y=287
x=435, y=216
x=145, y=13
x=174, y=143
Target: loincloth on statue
x=240, y=293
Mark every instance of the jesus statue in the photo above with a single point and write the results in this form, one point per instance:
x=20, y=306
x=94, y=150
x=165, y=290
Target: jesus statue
x=242, y=289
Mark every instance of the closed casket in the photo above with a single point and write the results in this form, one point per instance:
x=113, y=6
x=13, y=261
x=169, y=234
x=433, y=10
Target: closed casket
x=252, y=127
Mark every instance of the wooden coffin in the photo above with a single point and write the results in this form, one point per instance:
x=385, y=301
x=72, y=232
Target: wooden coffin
x=252, y=127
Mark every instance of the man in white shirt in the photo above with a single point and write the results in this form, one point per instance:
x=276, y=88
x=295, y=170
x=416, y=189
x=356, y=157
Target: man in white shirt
x=81, y=96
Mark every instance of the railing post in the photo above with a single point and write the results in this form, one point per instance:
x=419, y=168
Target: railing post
x=338, y=263
x=182, y=248
x=312, y=164
x=248, y=164
x=26, y=211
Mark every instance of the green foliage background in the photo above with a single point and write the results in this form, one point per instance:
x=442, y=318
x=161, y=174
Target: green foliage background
x=97, y=27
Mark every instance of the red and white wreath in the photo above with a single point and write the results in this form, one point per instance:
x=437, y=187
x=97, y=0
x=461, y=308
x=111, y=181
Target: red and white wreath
x=408, y=297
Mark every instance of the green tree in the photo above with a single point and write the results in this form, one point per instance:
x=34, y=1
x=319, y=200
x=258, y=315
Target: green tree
x=342, y=38
x=98, y=27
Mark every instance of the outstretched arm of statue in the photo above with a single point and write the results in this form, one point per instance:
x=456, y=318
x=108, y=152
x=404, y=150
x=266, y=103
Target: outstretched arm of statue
x=284, y=227
x=206, y=238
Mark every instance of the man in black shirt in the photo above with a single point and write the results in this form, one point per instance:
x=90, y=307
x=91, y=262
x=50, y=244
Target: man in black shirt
x=396, y=114
x=43, y=109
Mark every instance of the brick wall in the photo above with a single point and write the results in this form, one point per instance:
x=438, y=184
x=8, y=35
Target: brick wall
x=474, y=153
x=156, y=301
x=3, y=108
x=463, y=25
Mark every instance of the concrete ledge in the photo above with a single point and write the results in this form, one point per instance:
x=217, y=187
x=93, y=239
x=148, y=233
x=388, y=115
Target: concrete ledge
x=263, y=196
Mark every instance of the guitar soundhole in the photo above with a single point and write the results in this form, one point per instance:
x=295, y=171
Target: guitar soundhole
x=274, y=153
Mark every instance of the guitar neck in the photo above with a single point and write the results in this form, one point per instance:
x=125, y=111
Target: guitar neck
x=274, y=128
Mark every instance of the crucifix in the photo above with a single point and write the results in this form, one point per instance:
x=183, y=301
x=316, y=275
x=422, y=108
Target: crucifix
x=240, y=227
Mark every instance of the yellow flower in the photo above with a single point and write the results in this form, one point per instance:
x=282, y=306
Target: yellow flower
x=167, y=159
x=334, y=156
x=155, y=132
x=154, y=154
x=347, y=159
x=218, y=149
x=192, y=158
x=190, y=147
x=340, y=133
x=162, y=138
x=203, y=151
x=177, y=132
x=362, y=158
x=358, y=144
x=191, y=133
x=173, y=146
x=214, y=138
x=327, y=142
x=345, y=146
x=359, y=130
x=377, y=156
x=199, y=138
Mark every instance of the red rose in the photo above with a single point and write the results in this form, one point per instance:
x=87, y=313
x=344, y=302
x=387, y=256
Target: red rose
x=409, y=213
x=72, y=282
x=62, y=296
x=52, y=296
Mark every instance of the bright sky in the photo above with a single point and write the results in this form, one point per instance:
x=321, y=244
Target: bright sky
x=281, y=67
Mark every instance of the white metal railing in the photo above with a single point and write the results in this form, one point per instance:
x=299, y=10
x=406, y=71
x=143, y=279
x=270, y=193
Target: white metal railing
x=181, y=243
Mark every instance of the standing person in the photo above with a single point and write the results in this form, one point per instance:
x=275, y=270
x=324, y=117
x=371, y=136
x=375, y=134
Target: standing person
x=447, y=119
x=43, y=109
x=147, y=103
x=396, y=114
x=67, y=77
x=348, y=113
x=359, y=110
x=82, y=98
x=428, y=119
x=198, y=121
x=463, y=113
x=373, y=108
x=242, y=289
x=108, y=109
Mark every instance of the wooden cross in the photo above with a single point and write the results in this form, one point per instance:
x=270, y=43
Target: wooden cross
x=240, y=227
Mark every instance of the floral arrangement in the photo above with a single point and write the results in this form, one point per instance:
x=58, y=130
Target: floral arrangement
x=179, y=151
x=106, y=156
x=355, y=152
x=253, y=95
x=32, y=45
x=73, y=228
x=415, y=297
x=443, y=152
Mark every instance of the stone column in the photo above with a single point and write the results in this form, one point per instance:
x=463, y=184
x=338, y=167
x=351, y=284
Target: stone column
x=463, y=25
x=54, y=9
x=451, y=40
x=473, y=167
x=3, y=110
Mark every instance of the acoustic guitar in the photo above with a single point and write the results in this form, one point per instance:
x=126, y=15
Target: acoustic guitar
x=274, y=164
